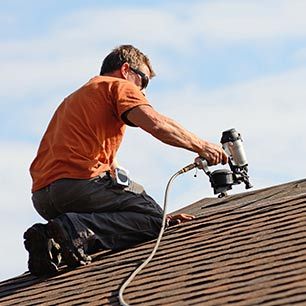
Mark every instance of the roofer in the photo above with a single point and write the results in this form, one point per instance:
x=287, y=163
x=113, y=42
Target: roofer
x=75, y=187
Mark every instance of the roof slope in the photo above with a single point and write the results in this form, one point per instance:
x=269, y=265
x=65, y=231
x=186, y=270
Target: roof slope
x=245, y=249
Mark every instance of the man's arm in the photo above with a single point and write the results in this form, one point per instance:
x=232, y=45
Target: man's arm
x=170, y=132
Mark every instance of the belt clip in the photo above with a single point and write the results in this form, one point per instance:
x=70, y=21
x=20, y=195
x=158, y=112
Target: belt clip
x=122, y=177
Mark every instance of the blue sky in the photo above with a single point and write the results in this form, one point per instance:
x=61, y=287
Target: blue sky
x=219, y=64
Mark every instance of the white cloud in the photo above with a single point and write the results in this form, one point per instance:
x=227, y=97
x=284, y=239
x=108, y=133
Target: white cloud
x=232, y=21
x=16, y=208
x=178, y=26
x=269, y=112
x=76, y=43
x=300, y=55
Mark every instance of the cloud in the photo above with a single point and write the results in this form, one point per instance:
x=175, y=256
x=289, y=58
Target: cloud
x=300, y=55
x=247, y=21
x=16, y=208
x=269, y=112
x=75, y=43
x=178, y=26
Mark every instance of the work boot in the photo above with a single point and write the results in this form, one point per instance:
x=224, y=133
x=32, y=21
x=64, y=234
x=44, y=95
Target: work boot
x=72, y=256
x=44, y=255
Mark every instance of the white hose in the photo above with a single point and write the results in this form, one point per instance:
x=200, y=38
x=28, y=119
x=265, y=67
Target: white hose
x=132, y=276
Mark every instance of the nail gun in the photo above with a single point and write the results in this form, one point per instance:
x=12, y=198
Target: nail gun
x=222, y=180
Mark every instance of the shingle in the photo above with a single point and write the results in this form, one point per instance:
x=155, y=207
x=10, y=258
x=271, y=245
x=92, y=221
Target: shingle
x=245, y=249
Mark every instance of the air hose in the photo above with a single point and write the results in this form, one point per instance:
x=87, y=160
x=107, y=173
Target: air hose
x=139, y=268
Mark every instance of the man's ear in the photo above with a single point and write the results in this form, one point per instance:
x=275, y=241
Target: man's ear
x=124, y=69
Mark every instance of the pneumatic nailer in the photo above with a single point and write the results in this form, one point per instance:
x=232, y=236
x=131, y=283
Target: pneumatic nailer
x=222, y=180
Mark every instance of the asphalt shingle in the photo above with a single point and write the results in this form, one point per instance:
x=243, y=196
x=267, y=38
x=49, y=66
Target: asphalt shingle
x=245, y=249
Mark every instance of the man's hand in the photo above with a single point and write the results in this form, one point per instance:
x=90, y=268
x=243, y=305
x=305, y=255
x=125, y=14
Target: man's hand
x=179, y=218
x=214, y=154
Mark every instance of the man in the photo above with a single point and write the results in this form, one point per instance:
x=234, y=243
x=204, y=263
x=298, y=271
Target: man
x=75, y=187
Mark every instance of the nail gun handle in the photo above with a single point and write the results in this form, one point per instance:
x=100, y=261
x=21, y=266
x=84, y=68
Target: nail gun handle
x=202, y=164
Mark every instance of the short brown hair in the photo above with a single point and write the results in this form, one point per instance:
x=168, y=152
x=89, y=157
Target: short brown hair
x=125, y=54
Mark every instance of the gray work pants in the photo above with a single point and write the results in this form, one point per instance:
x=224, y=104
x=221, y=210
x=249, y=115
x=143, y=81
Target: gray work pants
x=99, y=213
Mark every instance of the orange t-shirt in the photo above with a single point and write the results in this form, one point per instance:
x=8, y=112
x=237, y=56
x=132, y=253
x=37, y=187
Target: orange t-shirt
x=85, y=132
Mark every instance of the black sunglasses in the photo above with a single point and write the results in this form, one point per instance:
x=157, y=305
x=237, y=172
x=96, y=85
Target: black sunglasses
x=144, y=78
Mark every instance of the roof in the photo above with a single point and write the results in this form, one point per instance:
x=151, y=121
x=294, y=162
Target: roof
x=245, y=249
